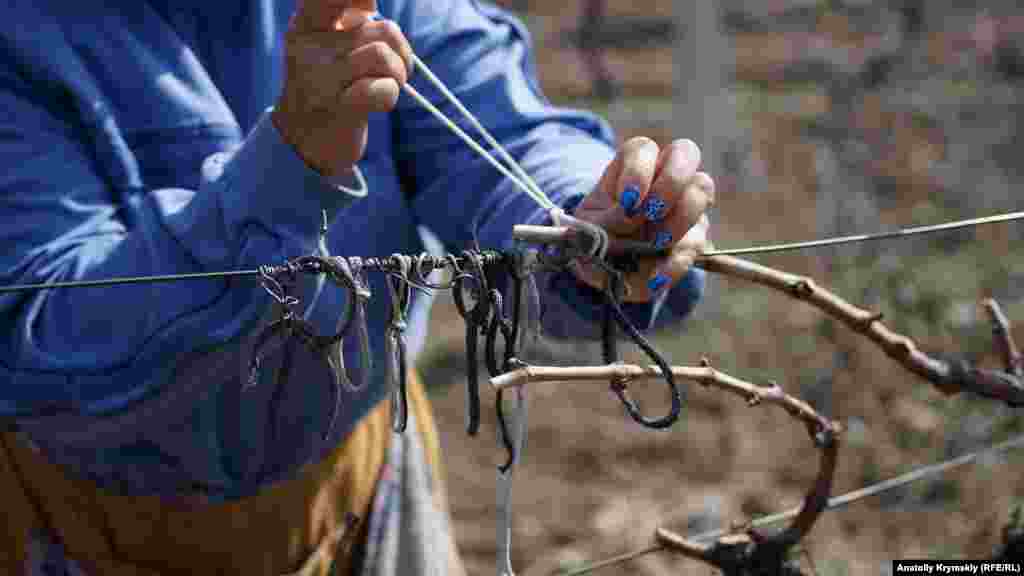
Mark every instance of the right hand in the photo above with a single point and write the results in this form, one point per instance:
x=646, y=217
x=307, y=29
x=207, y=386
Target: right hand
x=339, y=67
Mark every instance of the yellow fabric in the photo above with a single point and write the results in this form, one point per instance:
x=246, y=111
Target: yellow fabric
x=275, y=532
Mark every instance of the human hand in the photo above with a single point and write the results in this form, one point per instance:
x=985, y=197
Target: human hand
x=653, y=195
x=339, y=67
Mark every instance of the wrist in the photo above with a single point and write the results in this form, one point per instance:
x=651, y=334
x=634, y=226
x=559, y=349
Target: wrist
x=281, y=120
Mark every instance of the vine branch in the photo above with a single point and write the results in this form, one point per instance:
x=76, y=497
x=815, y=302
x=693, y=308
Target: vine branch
x=745, y=551
x=704, y=374
x=734, y=554
x=950, y=376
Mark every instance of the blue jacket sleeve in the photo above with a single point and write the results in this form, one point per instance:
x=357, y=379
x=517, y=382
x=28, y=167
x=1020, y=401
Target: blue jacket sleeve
x=93, y=350
x=484, y=56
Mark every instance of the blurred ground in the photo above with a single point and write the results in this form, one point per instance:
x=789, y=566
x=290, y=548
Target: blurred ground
x=594, y=484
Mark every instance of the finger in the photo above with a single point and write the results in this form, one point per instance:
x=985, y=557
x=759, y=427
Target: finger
x=623, y=187
x=374, y=60
x=372, y=95
x=373, y=50
x=670, y=270
x=392, y=34
x=696, y=197
x=341, y=42
x=677, y=164
x=311, y=15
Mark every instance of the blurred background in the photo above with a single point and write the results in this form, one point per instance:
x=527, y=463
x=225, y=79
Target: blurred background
x=817, y=118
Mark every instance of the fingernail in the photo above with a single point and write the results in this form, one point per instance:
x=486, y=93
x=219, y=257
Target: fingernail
x=655, y=209
x=657, y=283
x=629, y=199
x=662, y=240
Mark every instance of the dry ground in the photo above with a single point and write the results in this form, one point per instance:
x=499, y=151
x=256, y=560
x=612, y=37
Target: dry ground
x=595, y=484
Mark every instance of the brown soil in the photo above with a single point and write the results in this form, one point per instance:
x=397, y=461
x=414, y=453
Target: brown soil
x=594, y=484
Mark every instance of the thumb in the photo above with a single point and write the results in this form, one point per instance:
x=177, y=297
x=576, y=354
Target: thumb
x=323, y=15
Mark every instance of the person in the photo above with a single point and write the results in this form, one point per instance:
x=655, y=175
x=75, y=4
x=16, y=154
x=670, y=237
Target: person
x=168, y=137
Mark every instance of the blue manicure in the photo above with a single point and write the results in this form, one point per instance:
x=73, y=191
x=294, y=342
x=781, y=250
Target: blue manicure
x=655, y=209
x=662, y=240
x=657, y=283
x=630, y=198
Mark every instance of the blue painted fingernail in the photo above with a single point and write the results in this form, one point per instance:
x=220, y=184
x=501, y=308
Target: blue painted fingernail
x=662, y=240
x=629, y=199
x=657, y=283
x=655, y=209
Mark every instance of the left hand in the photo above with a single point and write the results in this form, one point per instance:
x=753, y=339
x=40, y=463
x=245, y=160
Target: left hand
x=653, y=195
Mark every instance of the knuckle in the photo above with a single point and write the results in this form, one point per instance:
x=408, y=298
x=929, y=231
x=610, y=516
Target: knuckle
x=386, y=60
x=376, y=60
x=672, y=182
x=380, y=95
x=358, y=93
x=379, y=50
x=390, y=30
x=684, y=144
x=397, y=68
x=639, y=159
x=707, y=185
x=383, y=57
x=638, y=144
x=697, y=197
x=685, y=149
x=392, y=66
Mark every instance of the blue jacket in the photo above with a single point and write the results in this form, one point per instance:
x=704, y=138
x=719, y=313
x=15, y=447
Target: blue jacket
x=134, y=141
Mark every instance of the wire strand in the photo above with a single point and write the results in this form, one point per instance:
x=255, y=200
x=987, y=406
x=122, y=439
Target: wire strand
x=378, y=264
x=880, y=487
x=127, y=280
x=914, y=231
